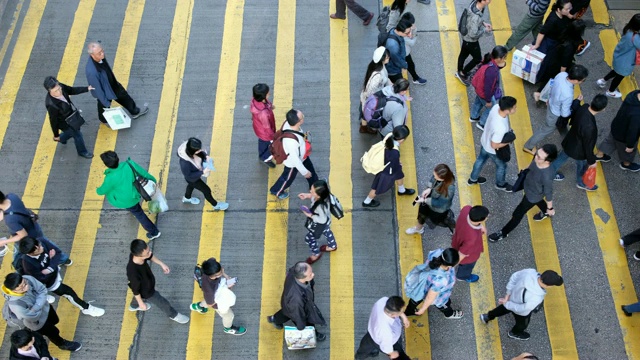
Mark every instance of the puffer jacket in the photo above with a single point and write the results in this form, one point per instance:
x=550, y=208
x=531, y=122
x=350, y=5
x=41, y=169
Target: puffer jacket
x=264, y=122
x=191, y=167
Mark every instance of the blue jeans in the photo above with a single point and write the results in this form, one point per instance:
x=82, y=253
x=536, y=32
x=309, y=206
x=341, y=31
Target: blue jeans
x=464, y=271
x=478, y=105
x=581, y=166
x=263, y=149
x=81, y=148
x=146, y=223
x=633, y=307
x=501, y=167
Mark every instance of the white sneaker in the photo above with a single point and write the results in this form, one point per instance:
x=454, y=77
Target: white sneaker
x=414, y=230
x=51, y=299
x=621, y=243
x=221, y=206
x=181, y=319
x=93, y=311
x=192, y=200
x=601, y=83
x=615, y=94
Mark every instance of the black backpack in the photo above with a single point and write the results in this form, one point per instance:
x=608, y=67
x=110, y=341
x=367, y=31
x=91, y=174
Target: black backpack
x=197, y=275
x=384, y=35
x=17, y=263
x=383, y=19
x=462, y=24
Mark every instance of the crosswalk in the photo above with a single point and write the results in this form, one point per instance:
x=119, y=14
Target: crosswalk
x=195, y=63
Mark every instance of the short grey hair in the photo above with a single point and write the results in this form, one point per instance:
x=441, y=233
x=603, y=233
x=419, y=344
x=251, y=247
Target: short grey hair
x=93, y=45
x=299, y=270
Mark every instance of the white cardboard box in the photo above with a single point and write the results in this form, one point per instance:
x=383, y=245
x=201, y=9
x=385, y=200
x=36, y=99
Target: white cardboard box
x=526, y=64
x=117, y=118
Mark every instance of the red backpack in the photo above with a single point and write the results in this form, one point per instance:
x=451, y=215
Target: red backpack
x=478, y=79
x=276, y=148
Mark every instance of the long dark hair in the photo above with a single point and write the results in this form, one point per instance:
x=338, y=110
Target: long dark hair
x=449, y=257
x=322, y=189
x=374, y=66
x=399, y=133
x=445, y=173
x=399, y=5
x=633, y=24
x=498, y=52
x=193, y=145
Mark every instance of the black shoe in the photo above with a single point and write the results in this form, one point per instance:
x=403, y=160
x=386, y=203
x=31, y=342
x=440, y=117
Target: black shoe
x=626, y=313
x=70, y=346
x=140, y=113
x=270, y=164
x=407, y=192
x=636, y=256
x=523, y=336
x=372, y=204
x=506, y=187
x=320, y=336
x=604, y=158
x=480, y=181
x=86, y=155
x=272, y=322
x=496, y=236
x=68, y=262
x=540, y=216
x=484, y=318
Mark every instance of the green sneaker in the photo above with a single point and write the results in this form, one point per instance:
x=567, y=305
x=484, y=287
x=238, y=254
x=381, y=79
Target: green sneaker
x=235, y=330
x=198, y=308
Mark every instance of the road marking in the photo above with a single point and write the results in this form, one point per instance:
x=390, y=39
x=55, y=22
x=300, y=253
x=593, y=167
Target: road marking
x=277, y=216
x=199, y=343
x=341, y=269
x=558, y=317
x=600, y=12
x=488, y=343
x=12, y=27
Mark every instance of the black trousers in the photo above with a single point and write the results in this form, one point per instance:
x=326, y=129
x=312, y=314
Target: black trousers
x=395, y=77
x=203, y=187
x=469, y=48
x=411, y=68
x=631, y=238
x=280, y=318
x=123, y=99
x=521, y=321
x=520, y=212
x=413, y=306
x=50, y=330
x=63, y=290
x=369, y=348
x=617, y=79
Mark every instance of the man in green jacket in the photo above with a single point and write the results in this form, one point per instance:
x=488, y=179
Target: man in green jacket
x=120, y=192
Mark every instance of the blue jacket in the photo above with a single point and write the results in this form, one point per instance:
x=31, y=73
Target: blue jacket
x=438, y=202
x=624, y=56
x=397, y=53
x=100, y=81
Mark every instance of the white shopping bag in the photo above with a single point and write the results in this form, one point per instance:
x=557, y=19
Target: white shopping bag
x=546, y=91
x=158, y=203
x=300, y=339
x=117, y=118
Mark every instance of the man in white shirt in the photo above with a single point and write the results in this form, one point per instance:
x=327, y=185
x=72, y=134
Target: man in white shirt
x=297, y=161
x=559, y=104
x=384, y=330
x=494, y=130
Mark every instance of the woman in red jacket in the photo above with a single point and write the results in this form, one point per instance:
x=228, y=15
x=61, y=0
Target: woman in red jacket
x=264, y=123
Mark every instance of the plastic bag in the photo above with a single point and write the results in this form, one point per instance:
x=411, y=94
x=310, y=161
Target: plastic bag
x=158, y=203
x=589, y=177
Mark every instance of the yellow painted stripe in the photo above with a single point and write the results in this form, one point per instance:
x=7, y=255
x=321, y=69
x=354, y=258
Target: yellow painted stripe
x=200, y=340
x=12, y=28
x=561, y=335
x=488, y=344
x=274, y=264
x=600, y=12
x=18, y=64
x=341, y=270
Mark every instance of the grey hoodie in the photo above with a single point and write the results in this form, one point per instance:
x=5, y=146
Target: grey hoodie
x=520, y=301
x=32, y=307
x=395, y=113
x=475, y=23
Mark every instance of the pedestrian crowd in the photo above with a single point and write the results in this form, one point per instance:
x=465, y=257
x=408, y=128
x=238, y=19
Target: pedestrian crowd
x=383, y=111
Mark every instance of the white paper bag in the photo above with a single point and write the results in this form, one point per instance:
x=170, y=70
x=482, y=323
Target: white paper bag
x=117, y=118
x=300, y=339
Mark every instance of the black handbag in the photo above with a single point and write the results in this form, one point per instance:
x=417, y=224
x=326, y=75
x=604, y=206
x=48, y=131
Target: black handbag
x=314, y=228
x=139, y=183
x=519, y=183
x=75, y=120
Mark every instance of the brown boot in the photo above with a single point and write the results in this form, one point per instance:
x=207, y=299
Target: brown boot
x=364, y=129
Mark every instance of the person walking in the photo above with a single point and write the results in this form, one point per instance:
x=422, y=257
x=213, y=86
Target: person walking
x=41, y=260
x=531, y=22
x=624, y=134
x=105, y=85
x=438, y=279
x=142, y=282
x=487, y=87
x=467, y=239
x=318, y=220
x=216, y=286
x=22, y=222
x=341, y=11
x=631, y=238
x=559, y=104
x=409, y=41
x=194, y=164
x=579, y=142
x=119, y=190
x=396, y=110
x=28, y=345
x=624, y=57
x=392, y=173
x=525, y=293
x=496, y=128
x=384, y=330
x=297, y=301
x=554, y=26
x=264, y=123
x=477, y=27
x=375, y=79
x=538, y=191
x=298, y=160
x=27, y=301
x=395, y=43
x=60, y=107
x=435, y=201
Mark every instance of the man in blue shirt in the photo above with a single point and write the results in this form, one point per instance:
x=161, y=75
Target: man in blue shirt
x=397, y=50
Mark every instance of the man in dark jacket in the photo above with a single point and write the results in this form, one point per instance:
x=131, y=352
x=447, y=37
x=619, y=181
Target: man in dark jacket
x=625, y=131
x=105, y=85
x=580, y=141
x=60, y=107
x=298, y=301
x=26, y=345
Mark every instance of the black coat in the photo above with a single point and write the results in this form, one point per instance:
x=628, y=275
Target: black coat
x=582, y=136
x=298, y=303
x=625, y=127
x=41, y=347
x=59, y=110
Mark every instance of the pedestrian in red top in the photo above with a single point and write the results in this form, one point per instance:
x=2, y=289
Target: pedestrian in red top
x=264, y=122
x=467, y=239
